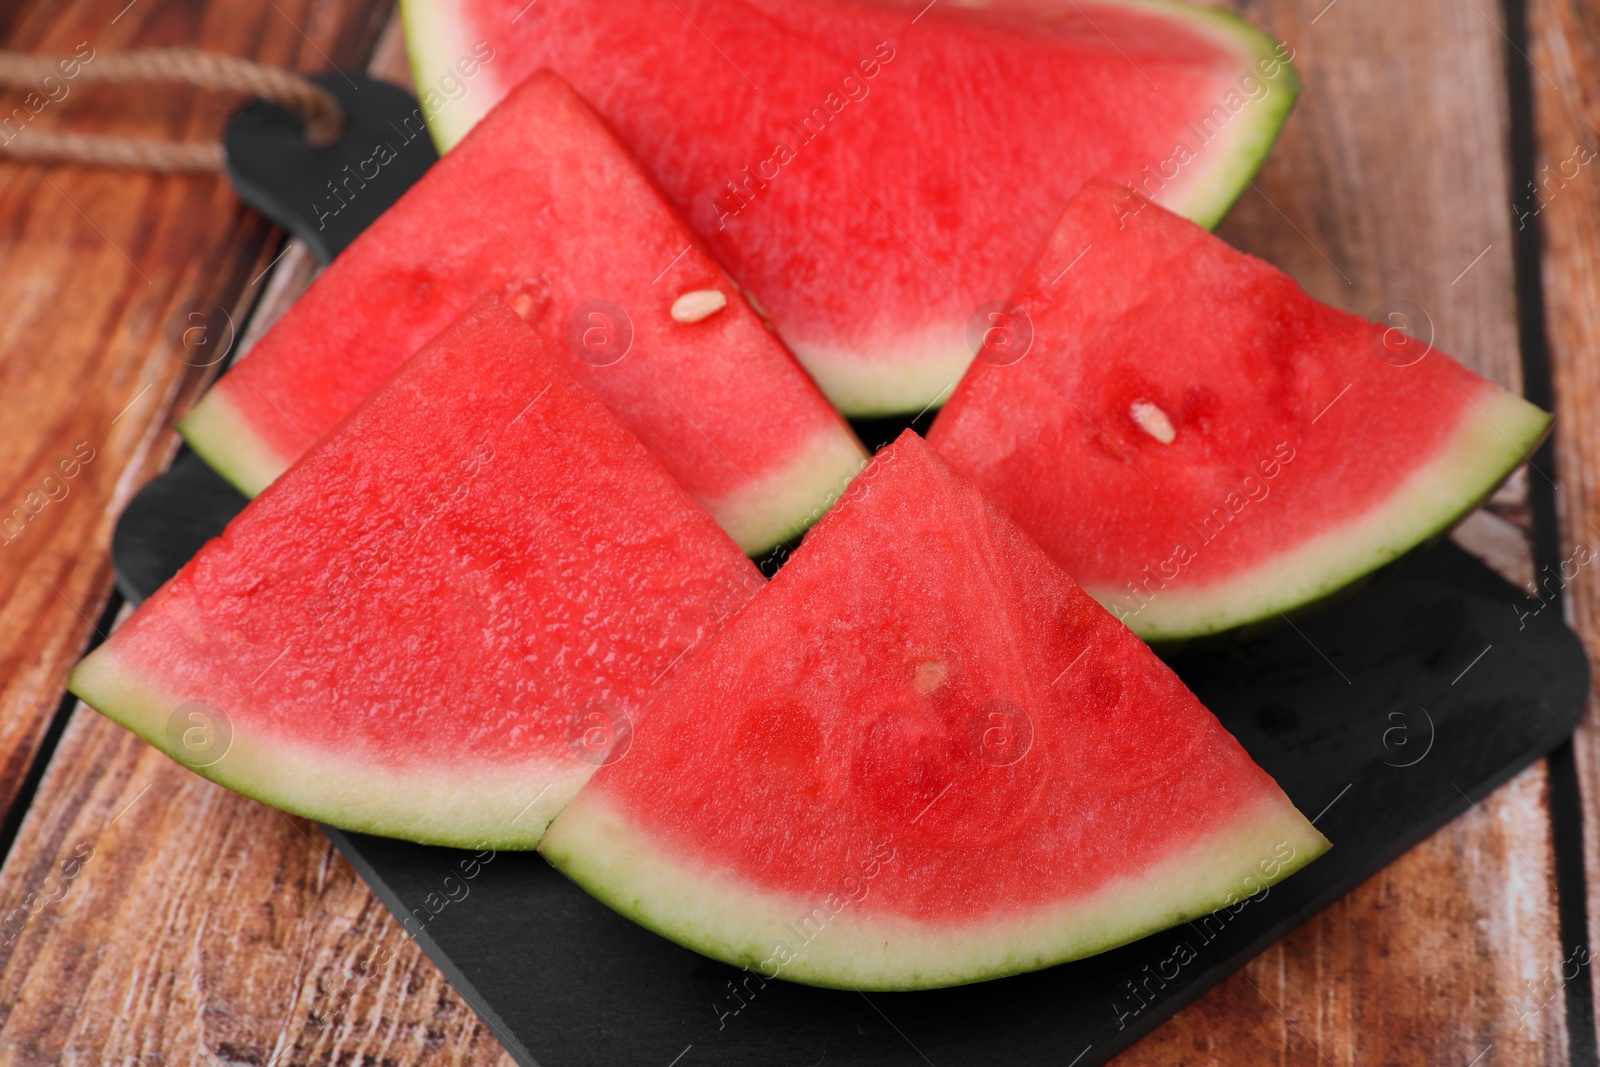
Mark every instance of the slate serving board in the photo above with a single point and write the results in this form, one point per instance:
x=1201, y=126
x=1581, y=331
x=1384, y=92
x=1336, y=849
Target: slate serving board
x=1384, y=714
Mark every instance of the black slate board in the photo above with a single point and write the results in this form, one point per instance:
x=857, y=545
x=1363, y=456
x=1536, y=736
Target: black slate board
x=1384, y=715
x=327, y=195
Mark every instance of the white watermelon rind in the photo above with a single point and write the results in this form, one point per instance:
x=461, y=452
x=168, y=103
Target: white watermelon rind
x=916, y=372
x=716, y=913
x=781, y=506
x=436, y=43
x=1497, y=432
x=219, y=434
x=462, y=804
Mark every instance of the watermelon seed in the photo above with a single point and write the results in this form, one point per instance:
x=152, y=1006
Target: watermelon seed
x=1153, y=421
x=698, y=305
x=929, y=676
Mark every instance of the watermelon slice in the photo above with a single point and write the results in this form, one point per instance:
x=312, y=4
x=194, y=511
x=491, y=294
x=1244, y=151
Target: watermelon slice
x=921, y=757
x=875, y=172
x=543, y=207
x=1199, y=443
x=443, y=618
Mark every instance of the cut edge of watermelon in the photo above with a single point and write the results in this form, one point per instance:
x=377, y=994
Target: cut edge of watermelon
x=502, y=807
x=715, y=913
x=781, y=505
x=221, y=435
x=1498, y=431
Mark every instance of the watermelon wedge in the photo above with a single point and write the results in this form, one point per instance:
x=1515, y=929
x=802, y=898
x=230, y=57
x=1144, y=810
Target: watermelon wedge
x=875, y=172
x=544, y=208
x=443, y=618
x=1199, y=443
x=921, y=757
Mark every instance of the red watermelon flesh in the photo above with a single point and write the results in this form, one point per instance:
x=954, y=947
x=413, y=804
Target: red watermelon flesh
x=543, y=207
x=920, y=757
x=876, y=171
x=444, y=617
x=1201, y=444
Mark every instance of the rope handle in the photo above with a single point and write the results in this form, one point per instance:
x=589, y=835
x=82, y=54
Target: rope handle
x=205, y=70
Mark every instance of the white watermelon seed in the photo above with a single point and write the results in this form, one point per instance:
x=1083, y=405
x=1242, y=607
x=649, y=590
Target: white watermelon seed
x=1153, y=421
x=929, y=676
x=700, y=304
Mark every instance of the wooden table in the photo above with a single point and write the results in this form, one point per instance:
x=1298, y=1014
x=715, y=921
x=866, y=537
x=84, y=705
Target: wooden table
x=147, y=916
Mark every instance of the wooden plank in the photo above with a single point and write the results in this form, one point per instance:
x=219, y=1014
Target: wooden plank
x=148, y=916
x=1391, y=183
x=104, y=277
x=1564, y=48
x=1391, y=179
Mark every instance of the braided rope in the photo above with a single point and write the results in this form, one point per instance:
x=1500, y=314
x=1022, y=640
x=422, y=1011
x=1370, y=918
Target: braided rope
x=205, y=70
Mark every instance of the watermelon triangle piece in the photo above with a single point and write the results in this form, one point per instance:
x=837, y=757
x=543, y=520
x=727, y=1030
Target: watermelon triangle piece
x=876, y=172
x=443, y=617
x=922, y=757
x=544, y=208
x=1201, y=444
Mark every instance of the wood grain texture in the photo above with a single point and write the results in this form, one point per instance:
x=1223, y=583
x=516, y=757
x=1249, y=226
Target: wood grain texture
x=148, y=916
x=1444, y=954
x=109, y=281
x=1564, y=48
x=1391, y=177
x=205, y=928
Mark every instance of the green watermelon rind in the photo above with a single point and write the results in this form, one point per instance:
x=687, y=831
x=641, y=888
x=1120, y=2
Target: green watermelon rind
x=1498, y=431
x=715, y=914
x=503, y=808
x=1210, y=199
x=220, y=435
